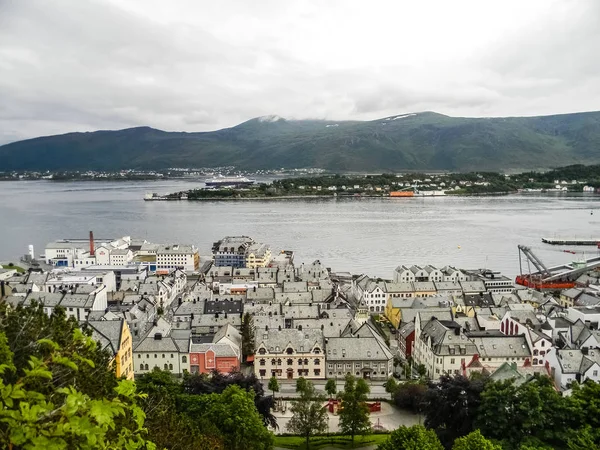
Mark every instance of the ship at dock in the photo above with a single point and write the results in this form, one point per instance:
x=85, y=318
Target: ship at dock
x=221, y=181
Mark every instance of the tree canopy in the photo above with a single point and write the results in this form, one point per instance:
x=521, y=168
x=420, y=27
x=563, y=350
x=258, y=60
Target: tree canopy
x=416, y=437
x=354, y=412
x=309, y=414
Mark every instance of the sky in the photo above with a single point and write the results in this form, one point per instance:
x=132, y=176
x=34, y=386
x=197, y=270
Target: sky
x=199, y=65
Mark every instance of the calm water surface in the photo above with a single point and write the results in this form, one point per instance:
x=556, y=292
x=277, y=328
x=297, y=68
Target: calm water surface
x=368, y=235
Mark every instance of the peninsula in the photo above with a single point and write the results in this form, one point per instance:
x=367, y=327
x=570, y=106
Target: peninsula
x=575, y=178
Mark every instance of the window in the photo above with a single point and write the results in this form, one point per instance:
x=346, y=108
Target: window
x=451, y=360
x=262, y=362
x=262, y=372
x=317, y=372
x=155, y=356
x=146, y=368
x=595, y=373
x=262, y=351
x=290, y=362
x=170, y=366
x=166, y=366
x=163, y=355
x=141, y=367
x=184, y=359
x=317, y=362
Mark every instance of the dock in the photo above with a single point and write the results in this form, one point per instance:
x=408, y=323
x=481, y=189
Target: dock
x=561, y=241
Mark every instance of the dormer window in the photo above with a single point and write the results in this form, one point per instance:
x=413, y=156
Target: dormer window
x=289, y=350
x=262, y=351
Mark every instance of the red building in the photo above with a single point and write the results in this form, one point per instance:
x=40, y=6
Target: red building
x=222, y=354
x=406, y=337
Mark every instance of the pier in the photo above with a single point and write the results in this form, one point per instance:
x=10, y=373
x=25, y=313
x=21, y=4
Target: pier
x=561, y=241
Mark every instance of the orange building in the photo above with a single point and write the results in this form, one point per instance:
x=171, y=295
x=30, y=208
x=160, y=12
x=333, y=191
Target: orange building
x=402, y=194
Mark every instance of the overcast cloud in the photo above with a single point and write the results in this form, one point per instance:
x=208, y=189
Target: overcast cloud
x=198, y=65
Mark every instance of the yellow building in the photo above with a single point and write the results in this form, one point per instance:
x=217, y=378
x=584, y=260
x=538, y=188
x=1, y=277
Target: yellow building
x=115, y=336
x=258, y=255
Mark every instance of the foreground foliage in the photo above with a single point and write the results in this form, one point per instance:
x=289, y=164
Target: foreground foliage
x=68, y=418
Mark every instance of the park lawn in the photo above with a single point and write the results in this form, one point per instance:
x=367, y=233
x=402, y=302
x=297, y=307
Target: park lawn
x=336, y=441
x=17, y=268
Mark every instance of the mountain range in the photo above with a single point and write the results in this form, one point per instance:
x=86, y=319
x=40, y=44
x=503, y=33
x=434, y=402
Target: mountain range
x=416, y=141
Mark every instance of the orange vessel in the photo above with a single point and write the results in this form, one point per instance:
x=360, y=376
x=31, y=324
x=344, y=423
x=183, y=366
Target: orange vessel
x=402, y=194
x=538, y=284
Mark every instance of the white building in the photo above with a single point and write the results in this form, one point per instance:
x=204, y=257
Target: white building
x=177, y=256
x=370, y=292
x=571, y=365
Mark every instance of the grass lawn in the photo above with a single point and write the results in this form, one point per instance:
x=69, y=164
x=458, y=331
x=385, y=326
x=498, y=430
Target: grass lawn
x=336, y=441
x=17, y=268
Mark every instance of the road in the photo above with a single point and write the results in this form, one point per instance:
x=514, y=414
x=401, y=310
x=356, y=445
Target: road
x=388, y=419
x=287, y=389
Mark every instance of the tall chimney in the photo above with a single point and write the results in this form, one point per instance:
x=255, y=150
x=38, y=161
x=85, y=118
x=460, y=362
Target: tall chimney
x=91, y=243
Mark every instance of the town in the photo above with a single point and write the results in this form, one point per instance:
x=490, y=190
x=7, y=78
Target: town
x=249, y=307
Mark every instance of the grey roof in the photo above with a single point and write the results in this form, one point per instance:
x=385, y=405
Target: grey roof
x=230, y=333
x=423, y=286
x=409, y=315
x=260, y=294
x=164, y=344
x=46, y=298
x=108, y=333
x=587, y=300
x=209, y=320
x=444, y=338
x=448, y=286
x=14, y=300
x=294, y=297
x=472, y=286
x=398, y=287
x=176, y=249
x=364, y=348
x=501, y=346
x=572, y=293
x=220, y=350
x=188, y=308
x=223, y=306
x=406, y=329
x=77, y=301
x=575, y=361
x=301, y=341
x=301, y=311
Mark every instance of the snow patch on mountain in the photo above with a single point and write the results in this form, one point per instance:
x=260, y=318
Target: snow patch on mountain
x=270, y=118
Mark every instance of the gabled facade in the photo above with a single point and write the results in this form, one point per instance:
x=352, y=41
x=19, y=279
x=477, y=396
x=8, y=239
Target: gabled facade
x=289, y=354
x=116, y=337
x=361, y=353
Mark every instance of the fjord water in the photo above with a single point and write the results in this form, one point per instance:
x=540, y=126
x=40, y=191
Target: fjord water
x=370, y=236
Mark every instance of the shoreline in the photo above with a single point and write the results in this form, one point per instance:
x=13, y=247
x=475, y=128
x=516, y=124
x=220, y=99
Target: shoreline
x=329, y=197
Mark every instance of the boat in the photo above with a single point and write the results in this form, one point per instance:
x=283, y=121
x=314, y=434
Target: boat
x=228, y=182
x=154, y=197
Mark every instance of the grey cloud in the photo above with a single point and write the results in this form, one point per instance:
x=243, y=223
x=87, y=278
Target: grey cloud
x=77, y=65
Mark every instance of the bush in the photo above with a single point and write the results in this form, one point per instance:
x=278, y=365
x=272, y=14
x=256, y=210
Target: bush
x=410, y=395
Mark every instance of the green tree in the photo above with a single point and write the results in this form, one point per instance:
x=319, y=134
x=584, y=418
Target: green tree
x=26, y=326
x=416, y=437
x=234, y=414
x=584, y=439
x=167, y=427
x=533, y=410
x=300, y=384
x=31, y=419
x=474, y=441
x=247, y=332
x=273, y=385
x=354, y=412
x=451, y=406
x=422, y=370
x=309, y=413
x=331, y=387
x=391, y=385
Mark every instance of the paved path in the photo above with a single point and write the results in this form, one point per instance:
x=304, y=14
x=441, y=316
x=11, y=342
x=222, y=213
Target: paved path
x=389, y=418
x=287, y=389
